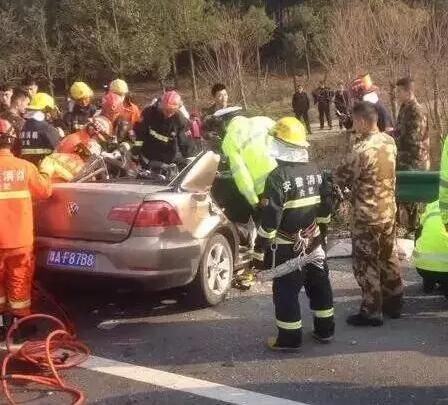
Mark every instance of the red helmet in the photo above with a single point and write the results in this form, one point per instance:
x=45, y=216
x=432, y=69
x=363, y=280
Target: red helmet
x=171, y=102
x=112, y=106
x=7, y=132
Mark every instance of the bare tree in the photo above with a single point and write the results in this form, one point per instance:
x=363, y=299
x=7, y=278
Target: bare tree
x=116, y=34
x=434, y=49
x=346, y=48
x=397, y=30
x=13, y=60
x=230, y=54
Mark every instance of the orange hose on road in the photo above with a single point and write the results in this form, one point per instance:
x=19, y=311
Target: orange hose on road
x=60, y=350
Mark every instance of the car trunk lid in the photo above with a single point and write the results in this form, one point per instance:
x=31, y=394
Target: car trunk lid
x=88, y=211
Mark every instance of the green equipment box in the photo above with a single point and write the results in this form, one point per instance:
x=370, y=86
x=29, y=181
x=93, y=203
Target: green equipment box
x=417, y=186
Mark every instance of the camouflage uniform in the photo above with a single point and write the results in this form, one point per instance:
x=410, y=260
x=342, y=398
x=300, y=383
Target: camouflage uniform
x=412, y=133
x=370, y=172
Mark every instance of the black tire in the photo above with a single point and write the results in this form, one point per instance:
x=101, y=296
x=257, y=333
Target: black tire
x=200, y=293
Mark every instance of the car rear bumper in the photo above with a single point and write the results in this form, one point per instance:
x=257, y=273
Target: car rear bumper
x=159, y=263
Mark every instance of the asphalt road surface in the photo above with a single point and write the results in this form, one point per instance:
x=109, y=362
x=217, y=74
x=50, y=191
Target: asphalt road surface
x=155, y=349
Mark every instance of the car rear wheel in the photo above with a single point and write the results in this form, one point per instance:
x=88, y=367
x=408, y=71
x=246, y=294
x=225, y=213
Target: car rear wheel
x=215, y=272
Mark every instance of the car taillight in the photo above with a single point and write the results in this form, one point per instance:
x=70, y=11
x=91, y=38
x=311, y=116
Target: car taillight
x=124, y=213
x=157, y=213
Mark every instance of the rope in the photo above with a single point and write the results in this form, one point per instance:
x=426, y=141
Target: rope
x=60, y=350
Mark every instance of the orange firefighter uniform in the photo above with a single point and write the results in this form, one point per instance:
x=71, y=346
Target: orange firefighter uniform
x=20, y=181
x=131, y=113
x=62, y=167
x=70, y=142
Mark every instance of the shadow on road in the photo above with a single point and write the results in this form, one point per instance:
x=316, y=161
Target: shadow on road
x=312, y=393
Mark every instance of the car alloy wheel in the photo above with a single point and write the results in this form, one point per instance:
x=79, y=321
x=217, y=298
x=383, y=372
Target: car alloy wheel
x=219, y=268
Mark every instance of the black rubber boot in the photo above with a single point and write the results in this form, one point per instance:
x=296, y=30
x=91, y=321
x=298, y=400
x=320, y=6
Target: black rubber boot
x=362, y=319
x=393, y=306
x=286, y=341
x=324, y=329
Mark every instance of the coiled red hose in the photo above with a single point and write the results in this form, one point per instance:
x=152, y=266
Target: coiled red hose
x=59, y=351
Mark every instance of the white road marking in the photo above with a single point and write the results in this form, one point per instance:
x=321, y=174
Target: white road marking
x=177, y=382
x=109, y=324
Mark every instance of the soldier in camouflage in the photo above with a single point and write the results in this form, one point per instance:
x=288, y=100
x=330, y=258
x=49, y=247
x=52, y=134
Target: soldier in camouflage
x=412, y=134
x=369, y=170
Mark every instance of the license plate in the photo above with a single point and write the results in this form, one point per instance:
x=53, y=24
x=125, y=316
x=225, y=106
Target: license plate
x=70, y=258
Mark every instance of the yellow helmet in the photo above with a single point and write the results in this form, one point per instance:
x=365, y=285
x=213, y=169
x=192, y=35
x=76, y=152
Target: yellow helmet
x=290, y=131
x=80, y=90
x=42, y=101
x=119, y=87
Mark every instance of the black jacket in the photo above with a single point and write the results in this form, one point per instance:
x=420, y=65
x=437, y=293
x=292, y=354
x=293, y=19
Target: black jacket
x=37, y=139
x=384, y=117
x=300, y=102
x=296, y=196
x=323, y=96
x=163, y=138
x=78, y=118
x=342, y=102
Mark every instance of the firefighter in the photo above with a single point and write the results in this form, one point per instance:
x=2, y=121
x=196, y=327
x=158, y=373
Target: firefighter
x=99, y=128
x=161, y=131
x=119, y=87
x=129, y=110
x=295, y=196
x=38, y=137
x=20, y=182
x=69, y=159
x=82, y=109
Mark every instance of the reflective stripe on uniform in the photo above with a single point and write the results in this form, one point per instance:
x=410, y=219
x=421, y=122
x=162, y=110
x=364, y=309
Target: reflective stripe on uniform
x=19, y=304
x=289, y=325
x=138, y=143
x=302, y=202
x=324, y=220
x=160, y=137
x=265, y=234
x=324, y=313
x=14, y=195
x=28, y=151
x=281, y=241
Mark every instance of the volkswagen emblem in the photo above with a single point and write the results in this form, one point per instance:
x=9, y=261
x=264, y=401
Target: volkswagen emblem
x=73, y=208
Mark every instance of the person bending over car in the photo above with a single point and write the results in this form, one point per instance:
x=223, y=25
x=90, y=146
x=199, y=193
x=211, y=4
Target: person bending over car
x=161, y=131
